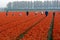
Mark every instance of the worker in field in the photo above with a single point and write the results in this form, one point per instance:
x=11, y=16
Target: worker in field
x=7, y=13
x=46, y=13
x=41, y=12
x=27, y=13
x=36, y=13
x=53, y=13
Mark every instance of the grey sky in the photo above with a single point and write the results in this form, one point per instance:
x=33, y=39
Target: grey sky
x=3, y=3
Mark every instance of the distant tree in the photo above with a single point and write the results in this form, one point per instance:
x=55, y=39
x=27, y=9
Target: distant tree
x=9, y=5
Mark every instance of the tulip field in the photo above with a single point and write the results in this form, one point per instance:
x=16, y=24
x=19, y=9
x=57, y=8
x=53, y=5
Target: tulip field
x=36, y=26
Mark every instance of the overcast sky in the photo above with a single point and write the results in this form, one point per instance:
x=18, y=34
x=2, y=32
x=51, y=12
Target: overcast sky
x=3, y=3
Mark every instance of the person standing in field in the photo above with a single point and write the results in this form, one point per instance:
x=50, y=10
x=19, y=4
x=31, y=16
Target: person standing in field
x=27, y=13
x=41, y=12
x=53, y=13
x=7, y=13
x=36, y=12
x=46, y=13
